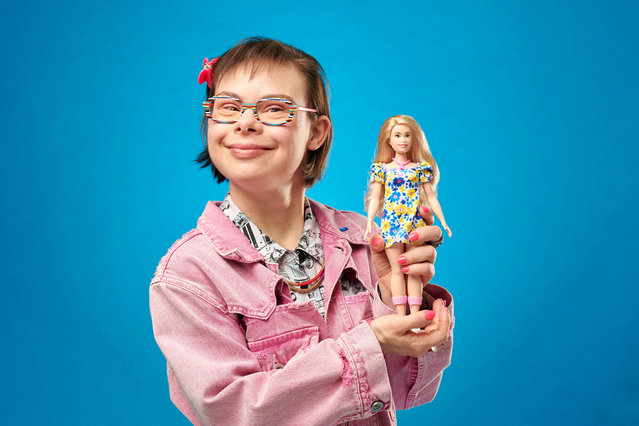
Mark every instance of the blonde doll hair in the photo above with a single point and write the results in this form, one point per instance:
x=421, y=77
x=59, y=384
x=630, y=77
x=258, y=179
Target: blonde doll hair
x=419, y=151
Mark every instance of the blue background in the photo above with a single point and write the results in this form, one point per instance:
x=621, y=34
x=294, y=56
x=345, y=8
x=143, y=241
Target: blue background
x=530, y=109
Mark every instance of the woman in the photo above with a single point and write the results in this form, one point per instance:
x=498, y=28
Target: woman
x=268, y=312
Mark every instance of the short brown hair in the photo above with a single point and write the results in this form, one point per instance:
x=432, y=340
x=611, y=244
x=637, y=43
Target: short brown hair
x=256, y=51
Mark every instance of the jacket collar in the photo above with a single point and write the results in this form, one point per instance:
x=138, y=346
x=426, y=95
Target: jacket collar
x=341, y=224
x=230, y=243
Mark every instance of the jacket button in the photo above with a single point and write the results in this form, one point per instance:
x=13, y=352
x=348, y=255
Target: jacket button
x=377, y=406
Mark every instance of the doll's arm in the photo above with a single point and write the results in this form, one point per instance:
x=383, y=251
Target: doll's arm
x=373, y=205
x=434, y=204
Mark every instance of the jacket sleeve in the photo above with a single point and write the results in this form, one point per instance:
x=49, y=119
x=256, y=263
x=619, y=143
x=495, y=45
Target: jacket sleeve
x=215, y=379
x=414, y=381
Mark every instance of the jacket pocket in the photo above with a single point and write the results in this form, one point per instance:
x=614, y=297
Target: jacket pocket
x=359, y=307
x=274, y=352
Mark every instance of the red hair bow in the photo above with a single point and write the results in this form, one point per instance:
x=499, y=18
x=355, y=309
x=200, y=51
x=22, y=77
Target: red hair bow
x=207, y=73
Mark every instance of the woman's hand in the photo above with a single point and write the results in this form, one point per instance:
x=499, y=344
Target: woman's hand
x=420, y=260
x=395, y=334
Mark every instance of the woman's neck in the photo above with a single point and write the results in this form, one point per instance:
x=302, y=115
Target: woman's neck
x=279, y=213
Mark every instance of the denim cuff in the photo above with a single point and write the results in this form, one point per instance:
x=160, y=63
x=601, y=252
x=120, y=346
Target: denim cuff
x=366, y=370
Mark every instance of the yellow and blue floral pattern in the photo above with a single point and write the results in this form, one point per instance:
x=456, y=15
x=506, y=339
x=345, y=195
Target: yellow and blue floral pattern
x=400, y=214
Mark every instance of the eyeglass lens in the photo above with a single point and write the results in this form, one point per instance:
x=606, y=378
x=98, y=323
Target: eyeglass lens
x=269, y=111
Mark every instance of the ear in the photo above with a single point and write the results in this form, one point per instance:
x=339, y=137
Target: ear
x=319, y=130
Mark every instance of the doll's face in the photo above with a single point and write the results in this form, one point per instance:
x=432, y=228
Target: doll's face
x=401, y=139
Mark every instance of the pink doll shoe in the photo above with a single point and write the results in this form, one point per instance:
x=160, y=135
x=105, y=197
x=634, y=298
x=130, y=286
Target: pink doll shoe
x=414, y=301
x=401, y=300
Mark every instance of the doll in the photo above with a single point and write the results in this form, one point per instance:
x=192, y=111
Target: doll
x=403, y=166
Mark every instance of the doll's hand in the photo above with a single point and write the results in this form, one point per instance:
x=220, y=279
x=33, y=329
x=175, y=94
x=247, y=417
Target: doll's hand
x=450, y=233
x=395, y=336
x=367, y=234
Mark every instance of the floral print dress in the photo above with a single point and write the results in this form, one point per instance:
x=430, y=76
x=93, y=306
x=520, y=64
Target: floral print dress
x=400, y=214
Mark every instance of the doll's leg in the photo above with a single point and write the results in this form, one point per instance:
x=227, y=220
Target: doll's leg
x=414, y=287
x=398, y=285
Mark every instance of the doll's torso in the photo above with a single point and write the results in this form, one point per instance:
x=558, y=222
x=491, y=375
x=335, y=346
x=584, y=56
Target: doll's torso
x=400, y=214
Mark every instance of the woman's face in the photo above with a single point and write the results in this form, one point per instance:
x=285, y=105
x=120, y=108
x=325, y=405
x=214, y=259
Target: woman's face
x=401, y=139
x=254, y=156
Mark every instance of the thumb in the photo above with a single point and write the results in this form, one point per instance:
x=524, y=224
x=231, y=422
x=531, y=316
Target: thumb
x=418, y=319
x=380, y=260
x=427, y=215
x=377, y=244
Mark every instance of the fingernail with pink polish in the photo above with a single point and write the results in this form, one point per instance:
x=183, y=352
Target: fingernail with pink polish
x=429, y=315
x=401, y=260
x=444, y=303
x=377, y=241
x=425, y=210
x=405, y=269
x=413, y=237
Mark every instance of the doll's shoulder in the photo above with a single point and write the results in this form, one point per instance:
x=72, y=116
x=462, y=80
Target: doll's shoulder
x=425, y=166
x=424, y=171
x=377, y=167
x=378, y=172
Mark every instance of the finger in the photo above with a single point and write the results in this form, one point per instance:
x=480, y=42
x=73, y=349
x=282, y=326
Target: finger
x=438, y=306
x=418, y=254
x=427, y=215
x=380, y=260
x=377, y=244
x=444, y=321
x=425, y=270
x=425, y=234
x=418, y=319
x=430, y=328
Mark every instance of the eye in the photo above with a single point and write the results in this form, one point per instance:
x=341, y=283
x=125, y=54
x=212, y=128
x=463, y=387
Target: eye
x=230, y=106
x=227, y=105
x=274, y=107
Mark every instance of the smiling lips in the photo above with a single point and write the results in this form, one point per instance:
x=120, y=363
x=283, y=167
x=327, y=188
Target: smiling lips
x=247, y=150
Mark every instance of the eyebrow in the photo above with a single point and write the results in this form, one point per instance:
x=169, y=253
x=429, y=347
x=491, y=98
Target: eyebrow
x=268, y=95
x=227, y=93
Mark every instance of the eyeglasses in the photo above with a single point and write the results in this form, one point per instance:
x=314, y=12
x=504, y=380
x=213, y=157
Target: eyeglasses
x=269, y=111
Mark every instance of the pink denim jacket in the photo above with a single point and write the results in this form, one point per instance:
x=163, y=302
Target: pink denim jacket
x=239, y=352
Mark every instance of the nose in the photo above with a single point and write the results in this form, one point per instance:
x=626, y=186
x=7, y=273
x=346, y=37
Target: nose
x=247, y=121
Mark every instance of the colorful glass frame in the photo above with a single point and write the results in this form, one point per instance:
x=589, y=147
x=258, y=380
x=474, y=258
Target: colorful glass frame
x=253, y=106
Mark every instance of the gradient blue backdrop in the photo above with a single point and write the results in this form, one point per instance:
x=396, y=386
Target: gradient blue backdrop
x=531, y=112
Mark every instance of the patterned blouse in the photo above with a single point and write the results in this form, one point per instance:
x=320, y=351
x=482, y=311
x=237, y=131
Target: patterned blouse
x=297, y=266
